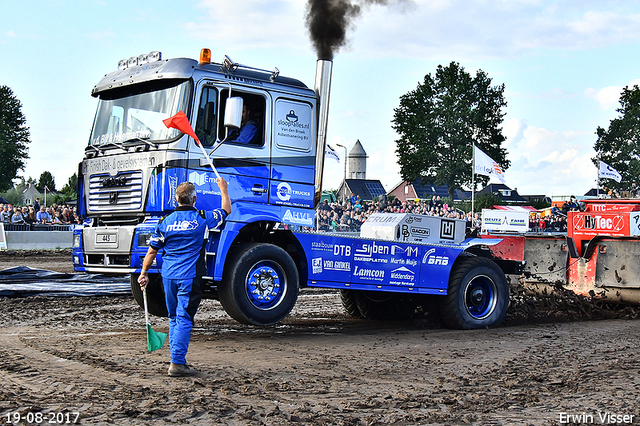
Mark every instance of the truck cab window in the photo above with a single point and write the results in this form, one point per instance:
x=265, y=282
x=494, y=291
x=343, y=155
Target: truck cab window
x=253, y=120
x=206, y=121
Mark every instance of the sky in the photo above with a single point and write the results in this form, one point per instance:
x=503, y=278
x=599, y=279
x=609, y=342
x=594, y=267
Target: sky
x=563, y=64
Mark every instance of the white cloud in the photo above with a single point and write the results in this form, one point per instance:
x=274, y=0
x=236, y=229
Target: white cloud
x=549, y=162
x=480, y=29
x=608, y=96
x=251, y=24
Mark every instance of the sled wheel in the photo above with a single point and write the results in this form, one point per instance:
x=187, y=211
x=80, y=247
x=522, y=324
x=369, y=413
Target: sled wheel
x=348, y=299
x=261, y=285
x=155, y=294
x=478, y=295
x=379, y=305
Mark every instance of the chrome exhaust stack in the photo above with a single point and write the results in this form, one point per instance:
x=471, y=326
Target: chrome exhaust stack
x=324, y=69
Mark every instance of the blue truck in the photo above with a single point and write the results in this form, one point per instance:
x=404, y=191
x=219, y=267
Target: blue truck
x=267, y=249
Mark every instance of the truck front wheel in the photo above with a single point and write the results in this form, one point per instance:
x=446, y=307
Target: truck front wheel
x=155, y=294
x=260, y=285
x=478, y=295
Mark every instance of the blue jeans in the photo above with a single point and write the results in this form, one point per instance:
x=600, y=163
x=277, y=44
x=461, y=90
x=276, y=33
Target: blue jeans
x=182, y=298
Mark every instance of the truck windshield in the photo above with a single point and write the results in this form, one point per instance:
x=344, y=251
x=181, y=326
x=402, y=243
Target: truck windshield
x=139, y=115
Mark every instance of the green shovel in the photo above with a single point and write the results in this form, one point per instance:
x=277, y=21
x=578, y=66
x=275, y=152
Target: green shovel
x=155, y=339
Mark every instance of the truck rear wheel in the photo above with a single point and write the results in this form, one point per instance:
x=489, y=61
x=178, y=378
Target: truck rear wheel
x=478, y=295
x=380, y=305
x=348, y=299
x=155, y=294
x=260, y=286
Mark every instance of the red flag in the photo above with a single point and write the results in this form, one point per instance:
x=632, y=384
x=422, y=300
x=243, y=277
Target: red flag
x=181, y=122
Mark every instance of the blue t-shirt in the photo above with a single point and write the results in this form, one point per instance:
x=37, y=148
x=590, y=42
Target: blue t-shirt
x=182, y=234
x=248, y=134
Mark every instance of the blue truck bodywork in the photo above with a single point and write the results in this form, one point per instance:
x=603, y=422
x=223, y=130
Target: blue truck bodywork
x=131, y=169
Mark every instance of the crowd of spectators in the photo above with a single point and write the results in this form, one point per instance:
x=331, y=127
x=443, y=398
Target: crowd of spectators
x=349, y=215
x=37, y=214
x=549, y=223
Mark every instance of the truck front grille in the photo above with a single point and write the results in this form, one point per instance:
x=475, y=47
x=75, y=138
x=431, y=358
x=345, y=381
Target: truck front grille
x=120, y=192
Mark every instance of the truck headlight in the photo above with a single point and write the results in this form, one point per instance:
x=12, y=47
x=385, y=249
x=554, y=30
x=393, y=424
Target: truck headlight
x=143, y=239
x=77, y=239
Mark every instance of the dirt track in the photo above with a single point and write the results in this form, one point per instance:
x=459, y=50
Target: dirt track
x=88, y=355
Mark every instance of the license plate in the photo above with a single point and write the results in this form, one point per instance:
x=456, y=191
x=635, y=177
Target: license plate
x=106, y=238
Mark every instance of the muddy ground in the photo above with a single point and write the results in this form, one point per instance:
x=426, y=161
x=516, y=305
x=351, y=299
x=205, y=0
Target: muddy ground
x=555, y=360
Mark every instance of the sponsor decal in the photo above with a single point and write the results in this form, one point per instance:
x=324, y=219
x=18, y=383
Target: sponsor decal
x=447, y=229
x=430, y=259
x=120, y=137
x=321, y=246
x=375, y=253
x=316, y=265
x=118, y=163
x=185, y=225
x=298, y=218
x=369, y=274
x=599, y=222
x=402, y=273
x=634, y=223
x=284, y=191
x=337, y=265
x=173, y=186
x=200, y=179
x=420, y=232
x=293, y=126
x=409, y=252
x=367, y=250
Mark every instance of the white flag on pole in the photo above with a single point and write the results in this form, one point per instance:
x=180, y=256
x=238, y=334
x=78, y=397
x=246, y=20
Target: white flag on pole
x=329, y=152
x=484, y=165
x=606, y=171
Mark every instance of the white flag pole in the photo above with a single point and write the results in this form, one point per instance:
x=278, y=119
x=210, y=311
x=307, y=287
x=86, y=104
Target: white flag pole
x=207, y=157
x=473, y=177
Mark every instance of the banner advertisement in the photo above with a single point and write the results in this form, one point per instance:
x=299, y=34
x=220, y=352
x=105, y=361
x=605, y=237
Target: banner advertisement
x=504, y=221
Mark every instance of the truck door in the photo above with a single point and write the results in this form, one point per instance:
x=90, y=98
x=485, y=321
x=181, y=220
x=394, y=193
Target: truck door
x=245, y=165
x=293, y=153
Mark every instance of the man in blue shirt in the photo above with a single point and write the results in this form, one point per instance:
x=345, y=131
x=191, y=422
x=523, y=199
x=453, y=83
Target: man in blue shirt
x=248, y=132
x=43, y=216
x=182, y=235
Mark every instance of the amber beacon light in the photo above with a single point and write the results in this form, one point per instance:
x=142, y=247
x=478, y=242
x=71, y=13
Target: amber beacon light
x=205, y=56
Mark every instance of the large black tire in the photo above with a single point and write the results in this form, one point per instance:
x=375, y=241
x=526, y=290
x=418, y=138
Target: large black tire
x=348, y=299
x=260, y=284
x=385, y=306
x=478, y=295
x=155, y=295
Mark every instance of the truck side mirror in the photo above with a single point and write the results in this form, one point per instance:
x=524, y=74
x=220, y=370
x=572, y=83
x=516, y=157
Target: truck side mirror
x=233, y=113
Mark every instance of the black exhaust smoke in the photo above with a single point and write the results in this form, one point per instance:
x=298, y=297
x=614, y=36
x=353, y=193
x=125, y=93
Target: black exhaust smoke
x=329, y=20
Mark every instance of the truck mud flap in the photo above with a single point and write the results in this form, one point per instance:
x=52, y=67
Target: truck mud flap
x=611, y=273
x=546, y=260
x=618, y=264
